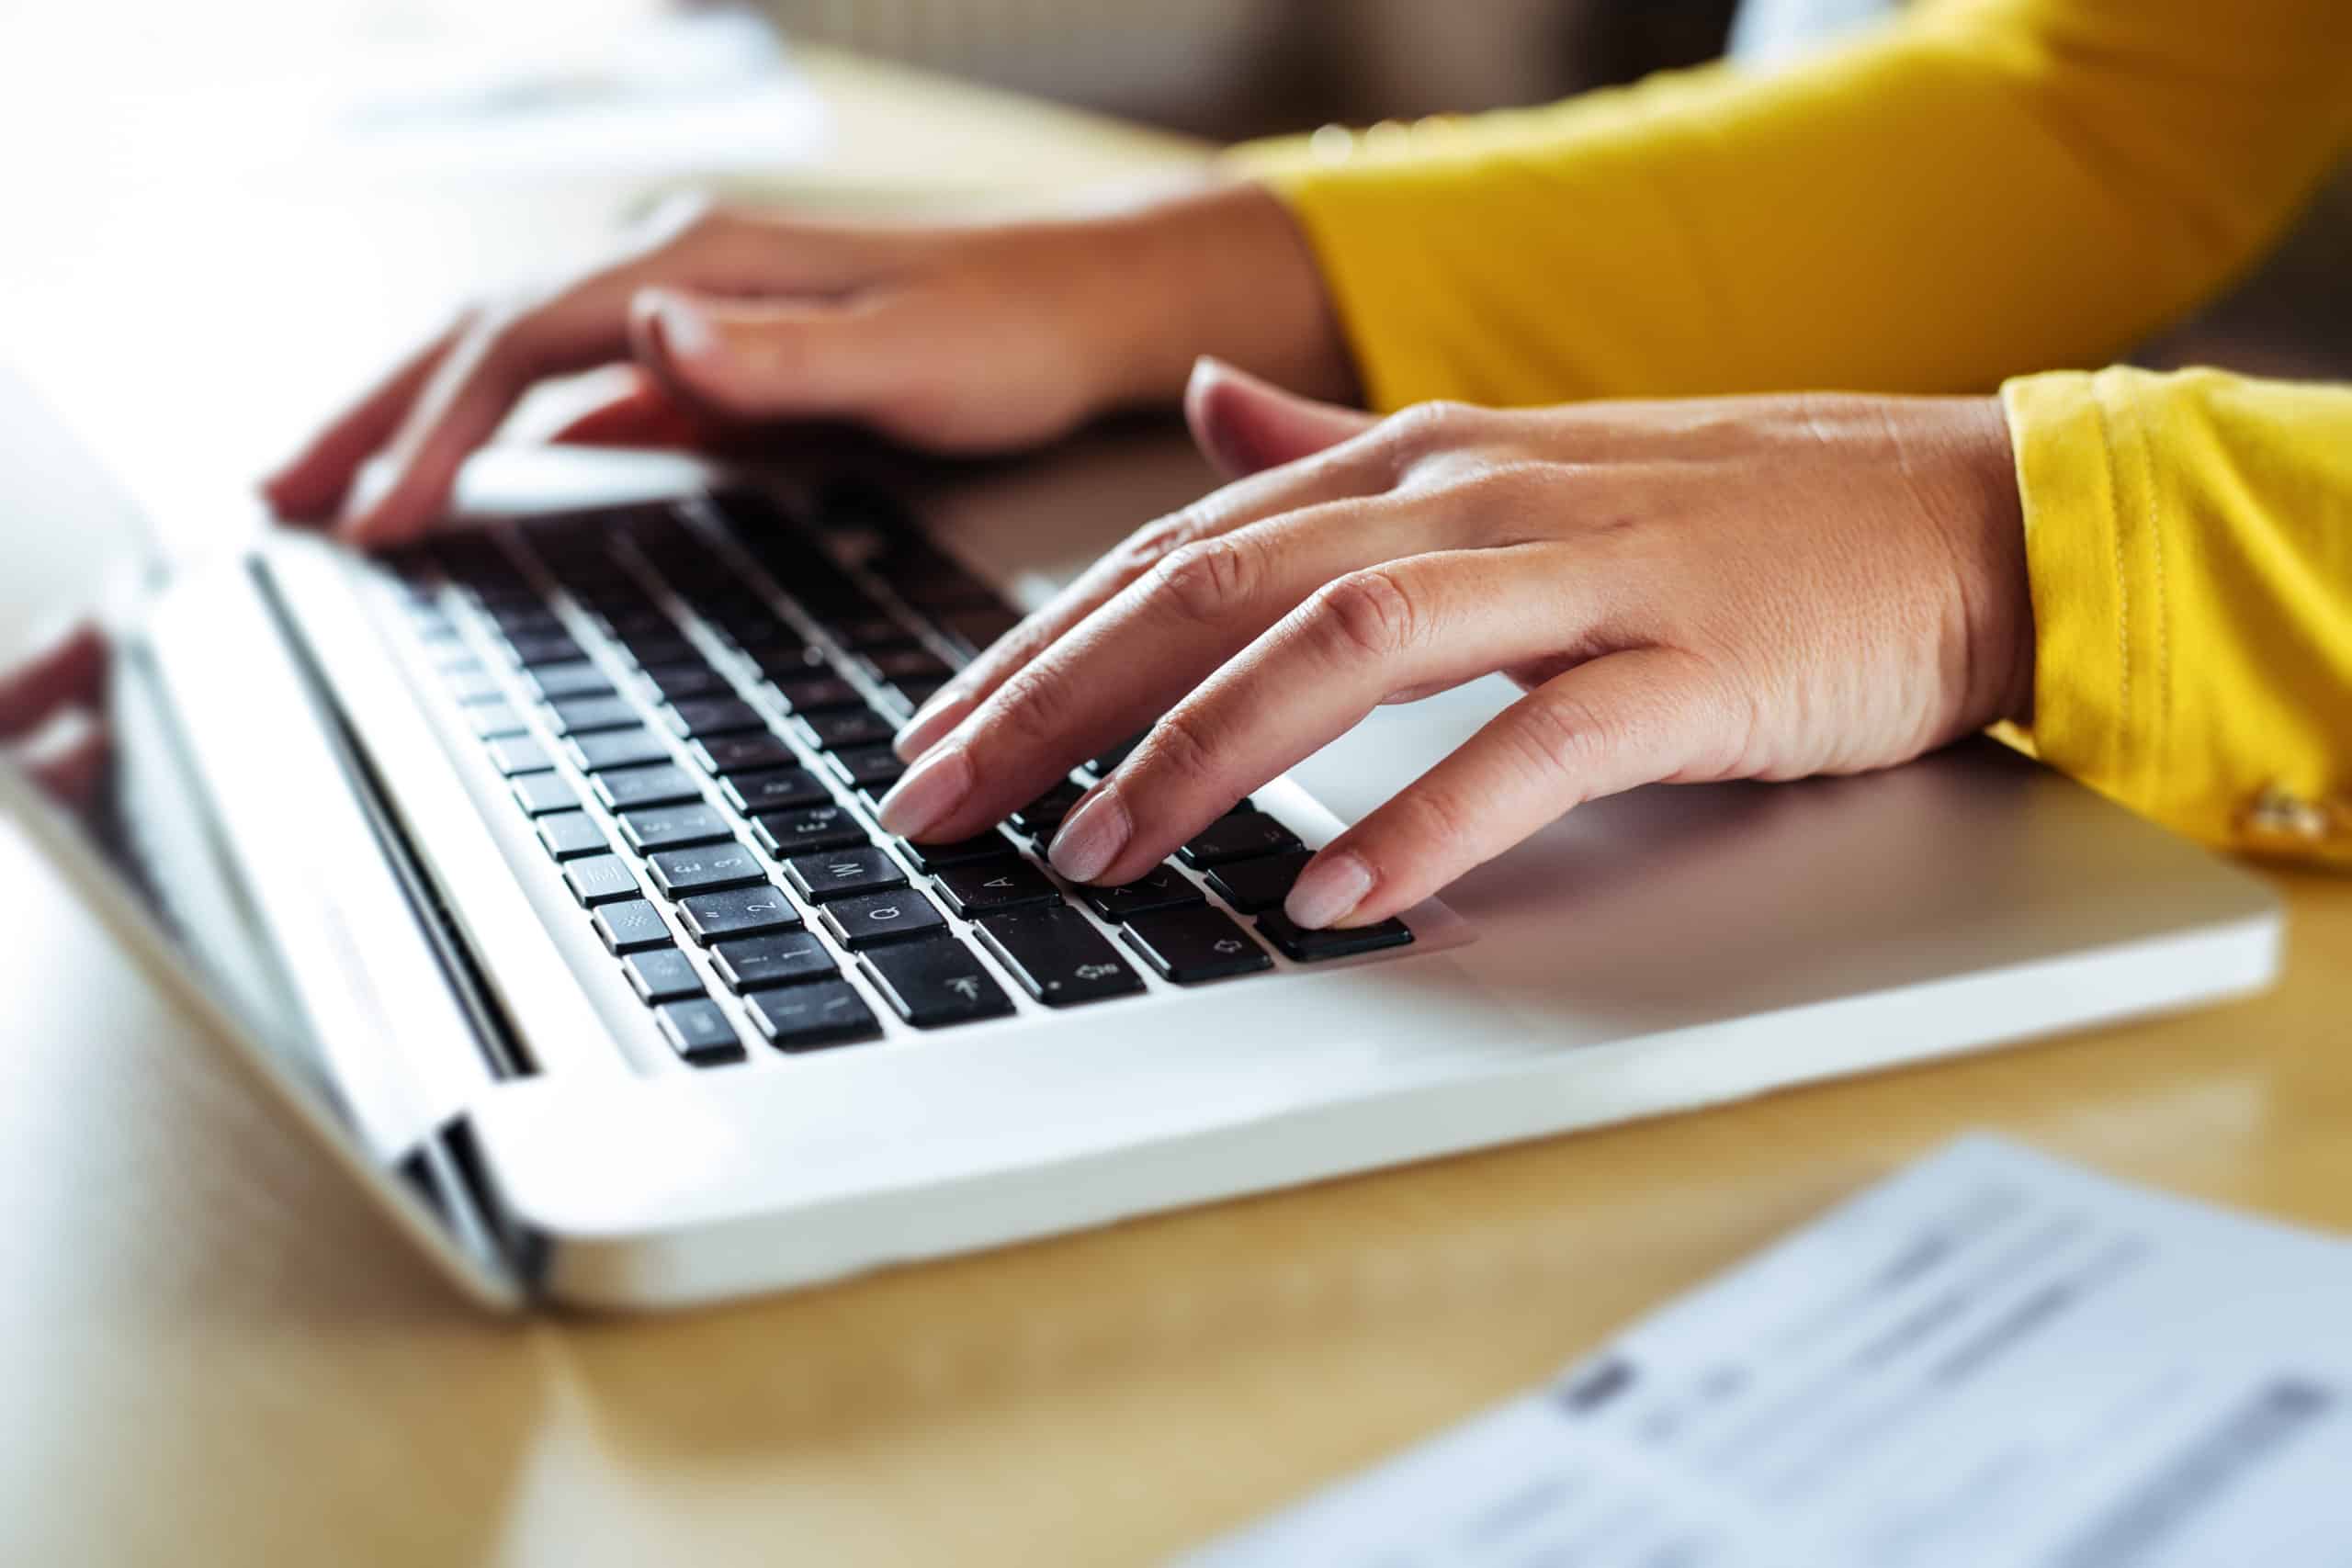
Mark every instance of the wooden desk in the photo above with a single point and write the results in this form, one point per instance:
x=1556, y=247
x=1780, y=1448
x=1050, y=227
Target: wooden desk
x=214, y=1352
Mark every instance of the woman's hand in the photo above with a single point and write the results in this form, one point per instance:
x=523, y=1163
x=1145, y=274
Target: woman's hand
x=1737, y=588
x=954, y=339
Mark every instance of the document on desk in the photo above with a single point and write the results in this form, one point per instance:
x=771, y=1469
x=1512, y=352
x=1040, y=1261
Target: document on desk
x=1992, y=1359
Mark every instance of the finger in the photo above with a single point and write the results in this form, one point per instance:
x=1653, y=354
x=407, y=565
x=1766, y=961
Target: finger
x=785, y=359
x=642, y=416
x=1351, y=471
x=1244, y=425
x=1645, y=716
x=1161, y=635
x=69, y=672
x=311, y=484
x=75, y=773
x=1423, y=621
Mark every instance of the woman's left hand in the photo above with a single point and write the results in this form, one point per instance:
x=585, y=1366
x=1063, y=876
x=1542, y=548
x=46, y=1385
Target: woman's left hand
x=1739, y=588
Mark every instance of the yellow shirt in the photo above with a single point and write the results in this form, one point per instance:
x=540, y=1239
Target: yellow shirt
x=1982, y=189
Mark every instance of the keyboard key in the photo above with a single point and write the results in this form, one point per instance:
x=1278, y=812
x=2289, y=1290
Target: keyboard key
x=1044, y=814
x=698, y=716
x=1240, y=835
x=533, y=619
x=742, y=754
x=788, y=833
x=1057, y=955
x=752, y=910
x=629, y=788
x=600, y=879
x=630, y=925
x=583, y=715
x=470, y=683
x=908, y=663
x=981, y=888
x=568, y=835
x=1255, y=886
x=814, y=694
x=1164, y=888
x=1108, y=762
x=617, y=749
x=699, y=1032
x=1307, y=946
x=929, y=858
x=864, y=869
x=875, y=631
x=1195, y=944
x=519, y=754
x=686, y=680
x=979, y=625
x=774, y=789
x=573, y=678
x=662, y=975
x=936, y=982
x=873, y=767
x=784, y=657
x=674, y=828
x=865, y=919
x=804, y=1018
x=494, y=721
x=538, y=794
x=912, y=694
x=845, y=727
x=661, y=646
x=706, y=868
x=785, y=959
x=543, y=648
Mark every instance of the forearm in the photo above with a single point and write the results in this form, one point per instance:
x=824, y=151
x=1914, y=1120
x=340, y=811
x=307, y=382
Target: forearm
x=1983, y=189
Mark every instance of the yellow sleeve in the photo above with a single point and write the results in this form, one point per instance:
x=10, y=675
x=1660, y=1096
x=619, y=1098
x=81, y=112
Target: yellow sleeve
x=1980, y=188
x=2189, y=539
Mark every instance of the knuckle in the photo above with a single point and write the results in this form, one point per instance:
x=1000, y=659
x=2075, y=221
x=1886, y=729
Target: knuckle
x=1428, y=427
x=1182, y=744
x=1203, y=579
x=1155, y=542
x=1436, y=826
x=1563, y=736
x=1371, y=612
x=1034, y=703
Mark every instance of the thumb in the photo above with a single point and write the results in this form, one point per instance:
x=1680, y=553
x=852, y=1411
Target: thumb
x=770, y=359
x=1243, y=425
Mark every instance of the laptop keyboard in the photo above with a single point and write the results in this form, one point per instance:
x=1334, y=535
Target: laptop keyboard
x=692, y=704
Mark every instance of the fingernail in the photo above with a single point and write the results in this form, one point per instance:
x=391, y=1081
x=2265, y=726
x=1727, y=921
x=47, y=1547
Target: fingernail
x=1092, y=837
x=942, y=713
x=1327, y=889
x=933, y=788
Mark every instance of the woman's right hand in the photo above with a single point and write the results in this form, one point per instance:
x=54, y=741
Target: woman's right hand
x=953, y=339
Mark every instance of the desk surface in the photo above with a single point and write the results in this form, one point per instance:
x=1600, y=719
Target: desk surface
x=214, y=1351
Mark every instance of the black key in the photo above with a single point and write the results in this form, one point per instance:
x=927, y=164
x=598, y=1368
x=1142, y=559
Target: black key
x=661, y=646
x=568, y=835
x=1109, y=761
x=573, y=678
x=908, y=663
x=876, y=630
x=873, y=767
x=630, y=925
x=528, y=620
x=816, y=693
x=1253, y=885
x=617, y=749
x=1241, y=835
x=1045, y=813
x=583, y=715
x=929, y=858
x=699, y=1031
x=742, y=754
x=518, y=754
x=774, y=789
x=698, y=716
x=1164, y=887
x=706, y=868
x=848, y=727
x=662, y=975
x=977, y=625
x=494, y=721
x=629, y=788
x=912, y=694
x=934, y=982
x=1307, y=946
x=684, y=681
x=841, y=873
x=865, y=919
x=543, y=648
x=787, y=833
x=600, y=879
x=1057, y=955
x=673, y=827
x=1191, y=945
x=803, y=1018
x=738, y=911
x=982, y=887
x=785, y=658
x=538, y=794
x=785, y=959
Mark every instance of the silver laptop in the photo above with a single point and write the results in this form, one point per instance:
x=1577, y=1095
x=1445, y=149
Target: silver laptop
x=534, y=870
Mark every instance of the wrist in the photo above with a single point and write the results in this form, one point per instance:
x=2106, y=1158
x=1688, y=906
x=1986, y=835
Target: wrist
x=2003, y=632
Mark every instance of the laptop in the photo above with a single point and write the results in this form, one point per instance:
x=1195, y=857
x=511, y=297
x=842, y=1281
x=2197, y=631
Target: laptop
x=534, y=870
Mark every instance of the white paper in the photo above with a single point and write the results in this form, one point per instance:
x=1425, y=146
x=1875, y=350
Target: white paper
x=1992, y=1359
